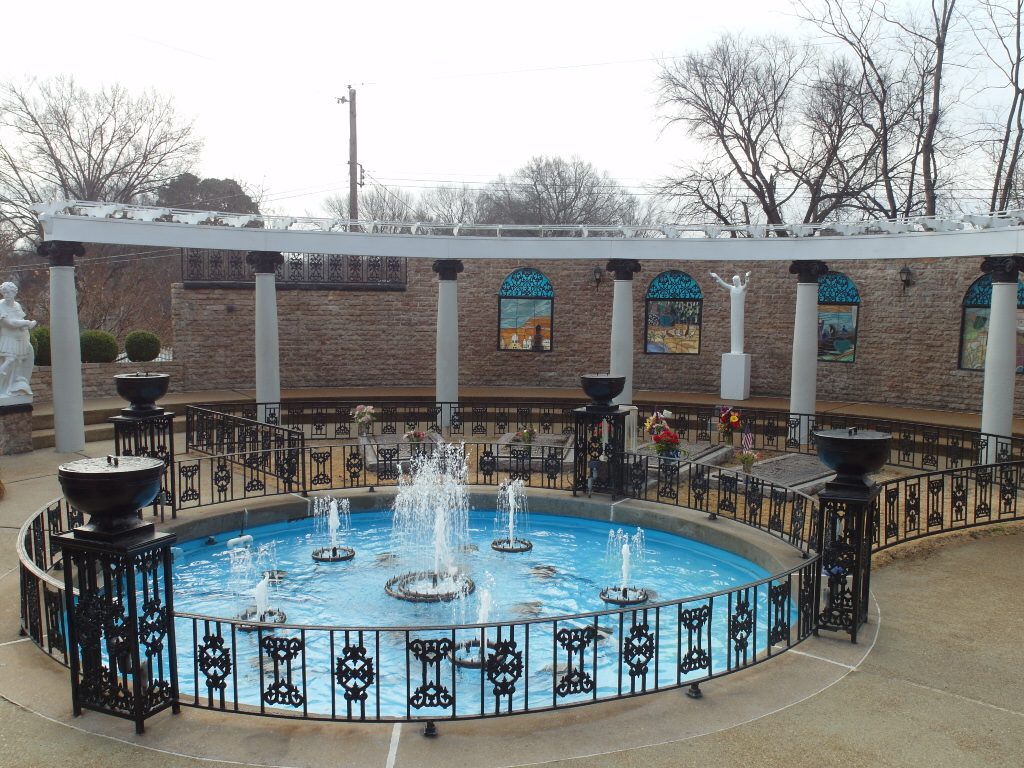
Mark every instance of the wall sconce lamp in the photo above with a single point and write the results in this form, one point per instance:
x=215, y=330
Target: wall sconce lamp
x=598, y=273
x=906, y=277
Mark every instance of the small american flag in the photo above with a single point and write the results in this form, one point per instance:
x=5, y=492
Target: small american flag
x=748, y=440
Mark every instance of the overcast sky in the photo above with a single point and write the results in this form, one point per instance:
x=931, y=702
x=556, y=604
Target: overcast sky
x=446, y=92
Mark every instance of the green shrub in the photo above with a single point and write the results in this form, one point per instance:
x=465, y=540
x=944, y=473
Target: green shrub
x=98, y=347
x=141, y=346
x=40, y=337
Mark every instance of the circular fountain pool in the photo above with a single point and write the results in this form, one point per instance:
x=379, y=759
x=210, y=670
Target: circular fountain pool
x=387, y=629
x=563, y=574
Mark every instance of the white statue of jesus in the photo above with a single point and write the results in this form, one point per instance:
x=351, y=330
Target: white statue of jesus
x=738, y=290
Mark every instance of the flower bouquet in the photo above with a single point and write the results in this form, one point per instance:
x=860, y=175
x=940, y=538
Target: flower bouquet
x=747, y=457
x=666, y=442
x=656, y=422
x=729, y=421
x=363, y=416
x=414, y=436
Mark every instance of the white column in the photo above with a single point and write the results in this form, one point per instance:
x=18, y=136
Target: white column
x=1000, y=355
x=268, y=365
x=446, y=359
x=621, y=363
x=66, y=360
x=803, y=384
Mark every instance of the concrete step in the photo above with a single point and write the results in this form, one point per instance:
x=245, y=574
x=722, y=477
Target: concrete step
x=95, y=431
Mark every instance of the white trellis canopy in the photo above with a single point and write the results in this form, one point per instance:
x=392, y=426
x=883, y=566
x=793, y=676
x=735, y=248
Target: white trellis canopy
x=916, y=237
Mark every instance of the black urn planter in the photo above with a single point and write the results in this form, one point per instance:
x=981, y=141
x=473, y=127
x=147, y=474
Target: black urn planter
x=142, y=390
x=852, y=453
x=111, y=490
x=602, y=388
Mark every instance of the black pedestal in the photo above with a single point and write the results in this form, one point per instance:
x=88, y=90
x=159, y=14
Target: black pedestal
x=119, y=606
x=599, y=450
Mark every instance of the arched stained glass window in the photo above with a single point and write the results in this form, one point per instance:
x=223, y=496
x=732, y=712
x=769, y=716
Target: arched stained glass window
x=974, y=324
x=838, y=308
x=673, y=307
x=525, y=310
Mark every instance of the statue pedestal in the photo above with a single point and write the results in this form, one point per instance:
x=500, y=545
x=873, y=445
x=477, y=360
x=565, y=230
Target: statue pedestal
x=735, y=376
x=15, y=424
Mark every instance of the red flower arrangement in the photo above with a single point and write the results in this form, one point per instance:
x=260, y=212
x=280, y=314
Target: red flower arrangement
x=666, y=441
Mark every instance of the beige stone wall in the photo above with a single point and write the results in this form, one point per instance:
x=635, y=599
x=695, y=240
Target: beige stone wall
x=15, y=430
x=906, y=350
x=98, y=378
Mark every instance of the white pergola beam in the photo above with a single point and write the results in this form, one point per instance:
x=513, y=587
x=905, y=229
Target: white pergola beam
x=990, y=241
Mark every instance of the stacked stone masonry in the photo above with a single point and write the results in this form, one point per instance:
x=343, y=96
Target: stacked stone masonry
x=907, y=342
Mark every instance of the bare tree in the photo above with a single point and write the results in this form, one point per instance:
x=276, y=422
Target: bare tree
x=783, y=128
x=451, y=205
x=997, y=30
x=903, y=58
x=557, y=191
x=65, y=142
x=379, y=203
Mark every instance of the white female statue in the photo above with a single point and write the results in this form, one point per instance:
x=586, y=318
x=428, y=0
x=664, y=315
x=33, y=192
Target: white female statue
x=16, y=355
x=738, y=289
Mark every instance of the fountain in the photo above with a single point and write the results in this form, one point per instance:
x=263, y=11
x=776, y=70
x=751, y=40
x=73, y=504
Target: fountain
x=467, y=654
x=431, y=524
x=512, y=512
x=622, y=545
x=261, y=612
x=337, y=517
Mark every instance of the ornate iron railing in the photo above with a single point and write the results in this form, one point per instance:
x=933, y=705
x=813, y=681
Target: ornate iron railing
x=202, y=267
x=942, y=502
x=915, y=446
x=341, y=673
x=332, y=420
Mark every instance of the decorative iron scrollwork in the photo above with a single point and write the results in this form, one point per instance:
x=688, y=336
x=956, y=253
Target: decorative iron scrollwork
x=638, y=650
x=355, y=672
x=214, y=661
x=504, y=667
x=430, y=653
x=282, y=651
x=778, y=599
x=695, y=621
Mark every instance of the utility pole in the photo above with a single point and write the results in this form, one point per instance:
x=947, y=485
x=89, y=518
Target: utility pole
x=353, y=164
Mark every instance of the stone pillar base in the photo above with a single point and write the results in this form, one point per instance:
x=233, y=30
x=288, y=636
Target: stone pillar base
x=15, y=424
x=735, y=376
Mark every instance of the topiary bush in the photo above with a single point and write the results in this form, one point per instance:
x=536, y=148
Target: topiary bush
x=141, y=346
x=40, y=338
x=98, y=347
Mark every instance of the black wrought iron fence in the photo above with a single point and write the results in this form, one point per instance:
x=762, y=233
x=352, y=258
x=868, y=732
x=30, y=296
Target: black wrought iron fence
x=487, y=670
x=43, y=612
x=333, y=420
x=205, y=480
x=940, y=502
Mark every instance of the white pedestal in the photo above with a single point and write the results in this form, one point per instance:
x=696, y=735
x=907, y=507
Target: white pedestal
x=735, y=376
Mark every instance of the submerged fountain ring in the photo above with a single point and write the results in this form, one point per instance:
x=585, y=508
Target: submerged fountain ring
x=474, y=659
x=625, y=595
x=270, y=616
x=512, y=545
x=333, y=554
x=429, y=587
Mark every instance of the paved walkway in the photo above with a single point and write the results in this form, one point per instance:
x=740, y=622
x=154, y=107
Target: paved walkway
x=940, y=685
